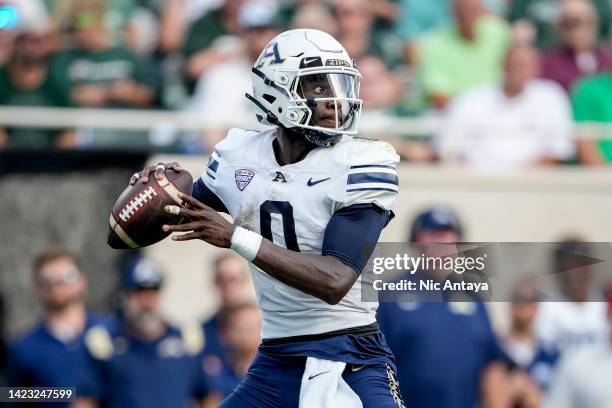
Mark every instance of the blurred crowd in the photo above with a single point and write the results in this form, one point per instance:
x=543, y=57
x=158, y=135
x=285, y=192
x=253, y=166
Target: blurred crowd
x=553, y=355
x=508, y=79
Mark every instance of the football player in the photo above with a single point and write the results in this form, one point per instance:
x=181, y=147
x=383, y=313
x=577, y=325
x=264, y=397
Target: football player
x=308, y=198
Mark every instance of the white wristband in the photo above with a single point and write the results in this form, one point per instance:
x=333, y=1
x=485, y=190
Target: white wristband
x=246, y=243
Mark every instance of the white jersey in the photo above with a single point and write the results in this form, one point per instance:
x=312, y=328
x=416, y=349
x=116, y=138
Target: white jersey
x=291, y=205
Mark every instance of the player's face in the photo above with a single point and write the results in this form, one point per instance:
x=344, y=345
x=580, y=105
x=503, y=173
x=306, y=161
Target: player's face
x=59, y=283
x=324, y=113
x=325, y=93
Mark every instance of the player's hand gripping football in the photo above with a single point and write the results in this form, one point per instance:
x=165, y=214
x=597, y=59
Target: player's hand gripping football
x=203, y=223
x=158, y=169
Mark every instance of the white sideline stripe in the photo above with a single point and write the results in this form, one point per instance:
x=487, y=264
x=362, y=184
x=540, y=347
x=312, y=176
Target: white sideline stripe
x=170, y=189
x=121, y=233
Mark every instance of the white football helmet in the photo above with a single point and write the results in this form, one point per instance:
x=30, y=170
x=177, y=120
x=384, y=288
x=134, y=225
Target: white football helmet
x=299, y=69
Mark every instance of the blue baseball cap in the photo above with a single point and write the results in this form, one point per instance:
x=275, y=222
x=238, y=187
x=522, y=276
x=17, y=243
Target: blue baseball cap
x=141, y=273
x=435, y=219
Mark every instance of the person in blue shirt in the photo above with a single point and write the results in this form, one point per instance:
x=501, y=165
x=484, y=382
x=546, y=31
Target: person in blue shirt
x=240, y=328
x=138, y=360
x=234, y=287
x=446, y=352
x=49, y=354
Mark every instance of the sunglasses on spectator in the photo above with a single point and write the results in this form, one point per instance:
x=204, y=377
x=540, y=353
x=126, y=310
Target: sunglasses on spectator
x=69, y=277
x=573, y=22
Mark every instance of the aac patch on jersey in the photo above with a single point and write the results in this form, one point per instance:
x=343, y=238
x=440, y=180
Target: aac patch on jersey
x=243, y=178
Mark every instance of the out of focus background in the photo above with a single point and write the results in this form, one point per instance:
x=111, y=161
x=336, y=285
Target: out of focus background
x=499, y=109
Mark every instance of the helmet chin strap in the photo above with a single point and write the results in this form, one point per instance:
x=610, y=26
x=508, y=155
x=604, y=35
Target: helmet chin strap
x=316, y=137
x=269, y=115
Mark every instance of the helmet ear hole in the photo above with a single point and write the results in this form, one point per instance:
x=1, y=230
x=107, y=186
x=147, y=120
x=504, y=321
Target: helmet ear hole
x=269, y=98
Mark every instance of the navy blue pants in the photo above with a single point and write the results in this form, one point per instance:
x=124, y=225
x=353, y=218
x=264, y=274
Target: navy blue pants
x=274, y=382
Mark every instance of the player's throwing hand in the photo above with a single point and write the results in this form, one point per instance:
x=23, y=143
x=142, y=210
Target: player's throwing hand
x=204, y=223
x=158, y=169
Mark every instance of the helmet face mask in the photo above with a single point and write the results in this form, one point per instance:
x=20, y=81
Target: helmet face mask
x=305, y=81
x=330, y=100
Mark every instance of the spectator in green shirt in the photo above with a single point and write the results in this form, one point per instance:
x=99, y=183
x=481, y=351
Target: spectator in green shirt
x=98, y=72
x=468, y=52
x=25, y=81
x=203, y=32
x=592, y=102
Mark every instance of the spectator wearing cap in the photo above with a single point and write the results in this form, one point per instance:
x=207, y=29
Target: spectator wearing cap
x=25, y=81
x=446, y=352
x=583, y=378
x=520, y=122
x=50, y=354
x=578, y=316
x=240, y=327
x=234, y=287
x=138, y=360
x=221, y=88
x=533, y=364
x=460, y=55
x=579, y=53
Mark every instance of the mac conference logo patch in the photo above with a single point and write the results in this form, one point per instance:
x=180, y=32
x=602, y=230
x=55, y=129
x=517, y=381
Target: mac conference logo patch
x=243, y=178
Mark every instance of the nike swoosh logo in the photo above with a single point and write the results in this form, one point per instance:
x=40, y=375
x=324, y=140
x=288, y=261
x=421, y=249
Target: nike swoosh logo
x=357, y=368
x=316, y=375
x=309, y=60
x=311, y=183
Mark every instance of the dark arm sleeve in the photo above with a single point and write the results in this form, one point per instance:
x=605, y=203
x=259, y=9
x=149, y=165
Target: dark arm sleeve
x=352, y=233
x=204, y=195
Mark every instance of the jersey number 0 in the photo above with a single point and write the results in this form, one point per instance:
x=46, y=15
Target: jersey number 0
x=285, y=209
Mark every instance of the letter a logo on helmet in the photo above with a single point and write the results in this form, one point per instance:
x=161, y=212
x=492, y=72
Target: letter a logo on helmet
x=304, y=80
x=269, y=55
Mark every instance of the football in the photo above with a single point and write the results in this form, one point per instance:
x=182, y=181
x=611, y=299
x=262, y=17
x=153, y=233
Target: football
x=138, y=215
